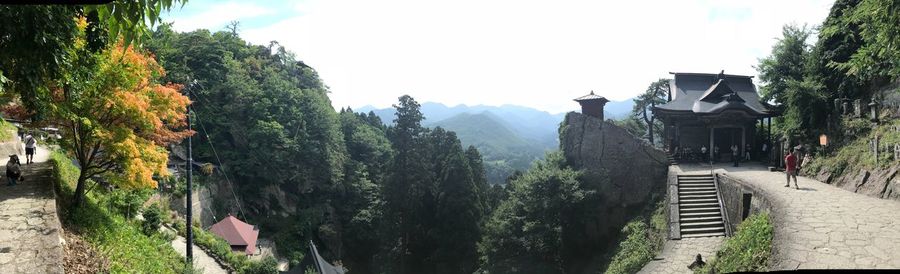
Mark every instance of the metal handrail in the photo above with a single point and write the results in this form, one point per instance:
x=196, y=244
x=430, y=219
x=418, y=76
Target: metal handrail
x=722, y=206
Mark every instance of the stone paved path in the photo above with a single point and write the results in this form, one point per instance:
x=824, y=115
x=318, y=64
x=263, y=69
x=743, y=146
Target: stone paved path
x=678, y=254
x=821, y=226
x=30, y=232
x=201, y=259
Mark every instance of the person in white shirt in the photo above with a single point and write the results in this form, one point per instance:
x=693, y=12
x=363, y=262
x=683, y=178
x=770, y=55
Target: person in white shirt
x=30, y=144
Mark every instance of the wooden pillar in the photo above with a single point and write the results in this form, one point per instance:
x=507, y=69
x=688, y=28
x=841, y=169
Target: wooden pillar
x=712, y=138
x=743, y=147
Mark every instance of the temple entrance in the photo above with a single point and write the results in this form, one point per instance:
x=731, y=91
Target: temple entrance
x=724, y=139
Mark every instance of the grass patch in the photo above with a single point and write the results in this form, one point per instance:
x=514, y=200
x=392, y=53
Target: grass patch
x=119, y=240
x=854, y=152
x=747, y=251
x=643, y=239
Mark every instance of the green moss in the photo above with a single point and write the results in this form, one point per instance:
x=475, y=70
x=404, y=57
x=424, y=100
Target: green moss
x=642, y=240
x=119, y=240
x=747, y=251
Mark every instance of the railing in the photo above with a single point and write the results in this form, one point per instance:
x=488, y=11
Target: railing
x=722, y=206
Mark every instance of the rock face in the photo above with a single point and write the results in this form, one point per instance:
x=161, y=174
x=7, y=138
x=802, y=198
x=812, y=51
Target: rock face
x=882, y=183
x=634, y=167
x=626, y=171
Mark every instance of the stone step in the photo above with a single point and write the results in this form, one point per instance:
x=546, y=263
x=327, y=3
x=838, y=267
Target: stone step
x=697, y=210
x=702, y=230
x=698, y=201
x=691, y=188
x=702, y=224
x=714, y=216
x=701, y=235
x=694, y=176
x=696, y=205
x=713, y=192
x=697, y=184
x=696, y=196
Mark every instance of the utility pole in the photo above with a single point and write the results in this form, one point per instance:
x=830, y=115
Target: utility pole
x=189, y=235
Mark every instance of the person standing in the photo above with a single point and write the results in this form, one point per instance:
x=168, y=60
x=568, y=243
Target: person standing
x=703, y=153
x=13, y=170
x=747, y=152
x=764, y=156
x=735, y=154
x=716, y=154
x=790, y=168
x=30, y=144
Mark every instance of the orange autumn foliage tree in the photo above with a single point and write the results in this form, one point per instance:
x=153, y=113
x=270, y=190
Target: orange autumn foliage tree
x=119, y=123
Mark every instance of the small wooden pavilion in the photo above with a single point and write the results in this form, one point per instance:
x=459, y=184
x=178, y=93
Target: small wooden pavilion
x=592, y=105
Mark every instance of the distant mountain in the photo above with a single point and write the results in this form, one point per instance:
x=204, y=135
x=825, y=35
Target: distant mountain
x=509, y=137
x=618, y=109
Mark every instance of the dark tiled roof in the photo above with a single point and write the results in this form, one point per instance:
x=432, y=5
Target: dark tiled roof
x=236, y=232
x=704, y=93
x=591, y=96
x=314, y=261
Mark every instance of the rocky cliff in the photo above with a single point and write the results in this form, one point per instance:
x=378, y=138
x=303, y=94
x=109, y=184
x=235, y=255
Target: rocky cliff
x=627, y=172
x=599, y=148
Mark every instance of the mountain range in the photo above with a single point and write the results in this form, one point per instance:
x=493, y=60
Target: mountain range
x=509, y=137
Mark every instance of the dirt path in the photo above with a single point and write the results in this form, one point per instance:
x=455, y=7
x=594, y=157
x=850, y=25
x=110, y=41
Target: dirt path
x=30, y=231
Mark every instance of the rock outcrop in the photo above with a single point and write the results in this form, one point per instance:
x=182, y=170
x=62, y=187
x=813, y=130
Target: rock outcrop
x=626, y=171
x=599, y=148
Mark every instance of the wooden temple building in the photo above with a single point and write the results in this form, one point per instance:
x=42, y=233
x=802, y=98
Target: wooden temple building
x=714, y=110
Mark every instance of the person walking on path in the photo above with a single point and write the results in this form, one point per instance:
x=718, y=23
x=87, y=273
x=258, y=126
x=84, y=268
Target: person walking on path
x=735, y=155
x=13, y=170
x=790, y=168
x=30, y=143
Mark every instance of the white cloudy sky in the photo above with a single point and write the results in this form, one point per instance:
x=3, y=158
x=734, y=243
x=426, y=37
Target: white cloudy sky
x=539, y=54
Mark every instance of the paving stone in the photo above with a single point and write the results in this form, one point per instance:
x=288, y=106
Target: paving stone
x=821, y=226
x=29, y=234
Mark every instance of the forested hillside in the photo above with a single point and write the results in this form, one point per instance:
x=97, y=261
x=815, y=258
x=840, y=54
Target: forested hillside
x=383, y=199
x=854, y=60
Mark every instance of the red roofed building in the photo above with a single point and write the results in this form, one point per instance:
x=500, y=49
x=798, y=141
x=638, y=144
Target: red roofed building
x=240, y=235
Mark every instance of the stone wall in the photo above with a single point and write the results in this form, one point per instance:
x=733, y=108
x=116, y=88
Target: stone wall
x=882, y=183
x=732, y=191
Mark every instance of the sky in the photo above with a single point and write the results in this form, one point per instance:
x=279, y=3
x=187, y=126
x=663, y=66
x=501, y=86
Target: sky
x=539, y=54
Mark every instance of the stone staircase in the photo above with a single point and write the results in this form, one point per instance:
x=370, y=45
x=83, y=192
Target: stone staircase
x=699, y=211
x=671, y=159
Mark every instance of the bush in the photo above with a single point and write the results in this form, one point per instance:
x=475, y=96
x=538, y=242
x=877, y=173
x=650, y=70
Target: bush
x=267, y=266
x=642, y=242
x=747, y=251
x=152, y=219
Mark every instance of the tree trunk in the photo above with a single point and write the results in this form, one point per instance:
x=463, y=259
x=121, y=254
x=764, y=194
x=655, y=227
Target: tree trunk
x=649, y=122
x=79, y=191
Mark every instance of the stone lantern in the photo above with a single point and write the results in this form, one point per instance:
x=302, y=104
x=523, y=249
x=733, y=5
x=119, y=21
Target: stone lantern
x=592, y=105
x=873, y=109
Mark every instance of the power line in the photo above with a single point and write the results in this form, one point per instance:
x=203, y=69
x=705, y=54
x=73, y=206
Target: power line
x=227, y=179
x=216, y=154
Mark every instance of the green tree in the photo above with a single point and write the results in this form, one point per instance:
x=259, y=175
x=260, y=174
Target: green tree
x=655, y=95
x=879, y=22
x=38, y=45
x=525, y=233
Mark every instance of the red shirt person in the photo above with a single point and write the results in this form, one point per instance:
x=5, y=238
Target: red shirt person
x=790, y=168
